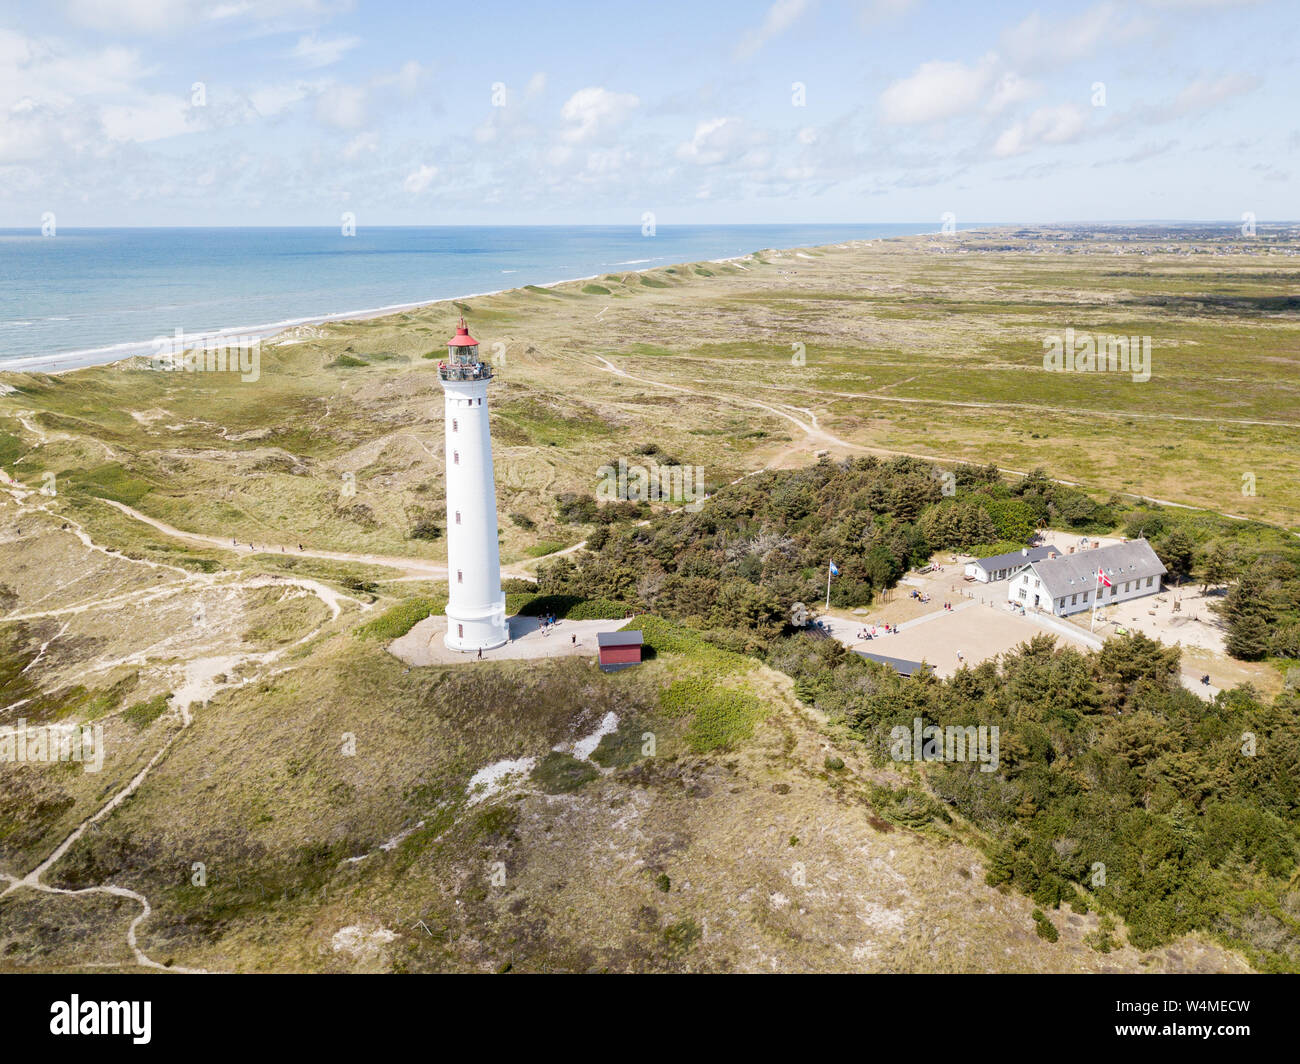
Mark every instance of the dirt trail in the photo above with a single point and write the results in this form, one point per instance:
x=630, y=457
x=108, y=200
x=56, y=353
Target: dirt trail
x=414, y=568
x=816, y=434
x=199, y=684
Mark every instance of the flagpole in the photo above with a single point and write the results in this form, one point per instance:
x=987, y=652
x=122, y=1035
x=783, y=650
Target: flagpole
x=1095, y=591
x=828, y=586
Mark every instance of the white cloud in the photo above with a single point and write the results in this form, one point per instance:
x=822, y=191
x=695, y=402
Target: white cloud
x=312, y=51
x=361, y=145
x=342, y=106
x=878, y=11
x=722, y=141
x=134, y=16
x=1201, y=4
x=153, y=117
x=149, y=17
x=938, y=90
x=419, y=180
x=593, y=111
x=408, y=77
x=780, y=17
x=1010, y=89
x=1204, y=93
x=59, y=102
x=1058, y=124
x=1041, y=43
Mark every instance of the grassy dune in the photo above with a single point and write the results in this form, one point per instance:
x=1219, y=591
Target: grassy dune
x=756, y=836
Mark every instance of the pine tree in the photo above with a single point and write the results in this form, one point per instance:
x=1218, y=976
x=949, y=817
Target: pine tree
x=1247, y=637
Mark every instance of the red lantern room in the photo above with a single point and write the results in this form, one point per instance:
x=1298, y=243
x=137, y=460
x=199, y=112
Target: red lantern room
x=462, y=358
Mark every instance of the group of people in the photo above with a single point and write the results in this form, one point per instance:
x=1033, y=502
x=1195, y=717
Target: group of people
x=547, y=621
x=235, y=543
x=872, y=632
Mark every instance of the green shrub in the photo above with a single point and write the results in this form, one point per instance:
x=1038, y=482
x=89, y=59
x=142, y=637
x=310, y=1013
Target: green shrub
x=1044, y=926
x=426, y=528
x=142, y=714
x=400, y=619
x=722, y=717
x=111, y=481
x=620, y=747
x=1103, y=940
x=681, y=935
x=572, y=607
x=11, y=449
x=561, y=773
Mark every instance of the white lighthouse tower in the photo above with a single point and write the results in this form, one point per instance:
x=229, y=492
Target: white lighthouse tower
x=476, y=605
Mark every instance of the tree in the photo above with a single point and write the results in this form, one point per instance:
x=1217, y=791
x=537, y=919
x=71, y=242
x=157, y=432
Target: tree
x=1246, y=611
x=1014, y=519
x=1177, y=551
x=1218, y=566
x=1247, y=636
x=1143, y=524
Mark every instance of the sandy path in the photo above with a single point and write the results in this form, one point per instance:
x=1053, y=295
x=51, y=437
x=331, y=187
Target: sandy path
x=818, y=435
x=199, y=683
x=414, y=568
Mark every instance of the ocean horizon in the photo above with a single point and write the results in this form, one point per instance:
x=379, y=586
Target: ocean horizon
x=91, y=296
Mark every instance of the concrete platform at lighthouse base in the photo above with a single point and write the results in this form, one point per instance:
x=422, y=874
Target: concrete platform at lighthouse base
x=423, y=644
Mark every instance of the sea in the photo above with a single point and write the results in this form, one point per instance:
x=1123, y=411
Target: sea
x=90, y=296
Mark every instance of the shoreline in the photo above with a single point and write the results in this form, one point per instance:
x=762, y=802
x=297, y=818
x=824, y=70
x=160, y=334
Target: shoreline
x=113, y=354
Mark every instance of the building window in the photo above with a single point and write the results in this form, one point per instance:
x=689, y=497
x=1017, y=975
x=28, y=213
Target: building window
x=480, y=402
x=1148, y=581
x=1022, y=592
x=1061, y=605
x=1085, y=596
x=1074, y=598
x=460, y=576
x=457, y=517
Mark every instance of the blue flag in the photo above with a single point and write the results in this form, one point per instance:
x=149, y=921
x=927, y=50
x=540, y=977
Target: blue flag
x=834, y=571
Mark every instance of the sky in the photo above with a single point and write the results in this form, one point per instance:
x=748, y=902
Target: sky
x=293, y=112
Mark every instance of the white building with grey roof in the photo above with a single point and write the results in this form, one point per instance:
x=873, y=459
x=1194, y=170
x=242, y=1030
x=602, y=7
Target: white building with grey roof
x=1001, y=566
x=1062, y=584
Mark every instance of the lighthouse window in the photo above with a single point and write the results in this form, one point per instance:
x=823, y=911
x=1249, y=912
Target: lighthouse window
x=455, y=457
x=457, y=517
x=460, y=576
x=455, y=427
x=460, y=630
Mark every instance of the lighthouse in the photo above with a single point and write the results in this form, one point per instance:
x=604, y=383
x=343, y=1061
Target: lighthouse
x=476, y=605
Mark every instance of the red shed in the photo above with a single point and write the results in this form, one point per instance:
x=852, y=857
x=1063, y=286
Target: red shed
x=619, y=650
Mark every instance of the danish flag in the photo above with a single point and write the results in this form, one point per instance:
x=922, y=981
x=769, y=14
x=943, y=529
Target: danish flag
x=1102, y=578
